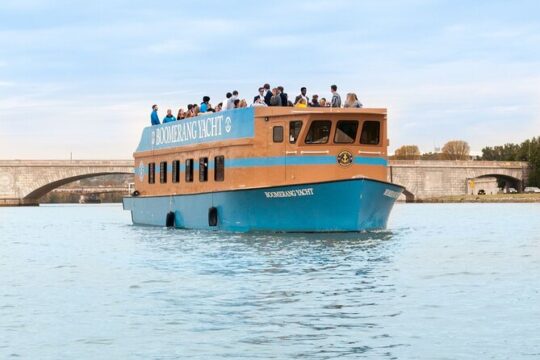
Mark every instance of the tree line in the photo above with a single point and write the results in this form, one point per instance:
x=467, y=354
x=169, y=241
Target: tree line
x=528, y=151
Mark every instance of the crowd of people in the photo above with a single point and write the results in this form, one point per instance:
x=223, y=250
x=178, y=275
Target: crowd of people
x=266, y=97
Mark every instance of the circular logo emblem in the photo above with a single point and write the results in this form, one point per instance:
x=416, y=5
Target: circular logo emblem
x=140, y=171
x=344, y=158
x=228, y=124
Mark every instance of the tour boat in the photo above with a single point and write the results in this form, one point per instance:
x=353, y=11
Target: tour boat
x=280, y=169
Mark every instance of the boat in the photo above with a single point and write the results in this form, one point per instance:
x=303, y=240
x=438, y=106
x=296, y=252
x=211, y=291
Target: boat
x=89, y=199
x=278, y=169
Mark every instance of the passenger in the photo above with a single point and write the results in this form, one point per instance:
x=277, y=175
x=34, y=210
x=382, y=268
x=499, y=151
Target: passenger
x=267, y=94
x=302, y=95
x=336, y=99
x=219, y=107
x=284, y=97
x=205, y=105
x=154, y=118
x=195, y=110
x=235, y=95
x=289, y=103
x=228, y=103
x=275, y=100
x=169, y=117
x=181, y=114
x=236, y=103
x=352, y=101
x=302, y=103
x=260, y=97
x=189, y=112
x=243, y=103
x=323, y=103
x=315, y=101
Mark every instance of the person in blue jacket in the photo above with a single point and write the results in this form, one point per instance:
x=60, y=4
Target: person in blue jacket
x=170, y=117
x=154, y=118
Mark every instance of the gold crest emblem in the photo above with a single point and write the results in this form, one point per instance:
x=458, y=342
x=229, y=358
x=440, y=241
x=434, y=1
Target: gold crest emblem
x=344, y=158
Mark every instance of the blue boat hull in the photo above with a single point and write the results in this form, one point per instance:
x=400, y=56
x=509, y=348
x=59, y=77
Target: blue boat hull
x=336, y=206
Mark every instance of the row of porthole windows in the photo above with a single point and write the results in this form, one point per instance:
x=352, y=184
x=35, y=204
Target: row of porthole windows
x=219, y=170
x=319, y=132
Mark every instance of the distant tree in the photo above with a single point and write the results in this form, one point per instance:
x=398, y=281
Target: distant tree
x=407, y=152
x=456, y=150
x=507, y=152
x=431, y=156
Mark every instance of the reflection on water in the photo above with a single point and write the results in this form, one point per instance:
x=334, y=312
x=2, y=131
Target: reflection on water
x=442, y=282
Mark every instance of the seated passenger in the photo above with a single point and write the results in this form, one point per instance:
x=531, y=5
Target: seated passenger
x=323, y=103
x=315, y=101
x=301, y=103
x=352, y=101
x=236, y=103
x=243, y=103
x=169, y=117
x=154, y=118
x=219, y=107
x=181, y=114
x=195, y=109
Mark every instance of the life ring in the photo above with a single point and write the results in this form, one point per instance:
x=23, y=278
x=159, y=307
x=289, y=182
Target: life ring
x=169, y=219
x=212, y=216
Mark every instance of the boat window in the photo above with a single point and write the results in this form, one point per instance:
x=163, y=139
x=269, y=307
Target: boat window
x=346, y=131
x=219, y=168
x=370, y=133
x=277, y=134
x=151, y=173
x=176, y=171
x=318, y=132
x=294, y=130
x=163, y=172
x=189, y=170
x=203, y=169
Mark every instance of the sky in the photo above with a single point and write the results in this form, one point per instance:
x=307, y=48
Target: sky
x=78, y=78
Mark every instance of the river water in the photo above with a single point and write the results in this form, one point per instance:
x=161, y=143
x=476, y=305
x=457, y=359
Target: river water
x=445, y=281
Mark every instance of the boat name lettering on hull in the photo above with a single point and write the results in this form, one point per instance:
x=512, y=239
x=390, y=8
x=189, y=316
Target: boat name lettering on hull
x=392, y=194
x=289, y=193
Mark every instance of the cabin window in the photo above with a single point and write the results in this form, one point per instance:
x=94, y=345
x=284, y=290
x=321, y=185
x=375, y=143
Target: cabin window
x=189, y=170
x=346, y=131
x=151, y=173
x=163, y=172
x=319, y=131
x=294, y=130
x=219, y=168
x=176, y=171
x=277, y=134
x=371, y=131
x=203, y=169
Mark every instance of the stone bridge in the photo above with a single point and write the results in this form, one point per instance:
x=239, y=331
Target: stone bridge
x=425, y=179
x=23, y=182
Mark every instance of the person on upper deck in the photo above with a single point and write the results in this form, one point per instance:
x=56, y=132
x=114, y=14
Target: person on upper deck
x=275, y=100
x=302, y=95
x=267, y=94
x=154, y=118
x=228, y=103
x=181, y=114
x=352, y=101
x=283, y=95
x=260, y=97
x=315, y=101
x=302, y=103
x=205, y=105
x=170, y=117
x=323, y=103
x=336, y=99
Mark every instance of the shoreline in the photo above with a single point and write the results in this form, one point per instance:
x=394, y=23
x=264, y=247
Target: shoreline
x=497, y=198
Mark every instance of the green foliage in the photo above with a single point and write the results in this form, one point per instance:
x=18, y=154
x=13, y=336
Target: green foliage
x=529, y=151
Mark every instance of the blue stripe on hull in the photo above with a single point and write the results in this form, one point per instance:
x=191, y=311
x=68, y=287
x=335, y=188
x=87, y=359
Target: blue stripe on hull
x=348, y=205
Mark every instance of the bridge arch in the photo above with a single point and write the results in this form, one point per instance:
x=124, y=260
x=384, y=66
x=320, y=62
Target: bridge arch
x=41, y=191
x=504, y=181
